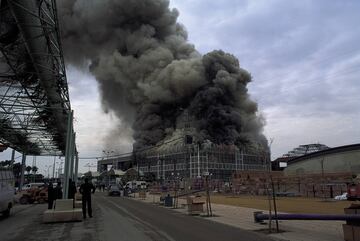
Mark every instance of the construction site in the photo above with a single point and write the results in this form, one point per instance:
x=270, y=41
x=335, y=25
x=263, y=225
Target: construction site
x=187, y=154
x=193, y=160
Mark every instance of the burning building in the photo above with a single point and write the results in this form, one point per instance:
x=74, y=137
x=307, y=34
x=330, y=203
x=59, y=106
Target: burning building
x=187, y=154
x=188, y=111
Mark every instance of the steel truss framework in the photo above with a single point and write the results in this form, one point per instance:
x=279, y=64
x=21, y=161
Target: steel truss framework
x=193, y=160
x=34, y=99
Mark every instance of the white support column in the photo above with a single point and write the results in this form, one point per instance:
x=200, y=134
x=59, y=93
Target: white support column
x=76, y=166
x=68, y=153
x=73, y=149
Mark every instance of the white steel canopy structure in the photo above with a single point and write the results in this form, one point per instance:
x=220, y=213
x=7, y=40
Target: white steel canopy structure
x=34, y=99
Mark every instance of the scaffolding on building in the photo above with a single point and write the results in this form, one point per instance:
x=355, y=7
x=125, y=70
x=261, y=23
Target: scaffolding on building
x=192, y=161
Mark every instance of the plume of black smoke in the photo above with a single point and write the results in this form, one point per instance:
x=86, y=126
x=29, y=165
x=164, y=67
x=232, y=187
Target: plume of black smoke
x=148, y=72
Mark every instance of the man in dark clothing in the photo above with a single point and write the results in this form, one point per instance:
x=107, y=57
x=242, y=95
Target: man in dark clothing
x=50, y=195
x=86, y=189
x=58, y=191
x=72, y=189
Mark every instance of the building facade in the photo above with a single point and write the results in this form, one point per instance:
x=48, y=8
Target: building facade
x=332, y=160
x=192, y=161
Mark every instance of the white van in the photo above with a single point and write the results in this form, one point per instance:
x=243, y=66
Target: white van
x=32, y=185
x=7, y=191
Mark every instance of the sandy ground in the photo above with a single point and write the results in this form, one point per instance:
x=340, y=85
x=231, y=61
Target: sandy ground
x=242, y=217
x=285, y=204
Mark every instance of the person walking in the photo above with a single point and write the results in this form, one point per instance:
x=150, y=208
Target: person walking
x=86, y=189
x=50, y=195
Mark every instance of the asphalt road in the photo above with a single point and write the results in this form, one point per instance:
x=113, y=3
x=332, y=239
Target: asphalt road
x=120, y=219
x=161, y=224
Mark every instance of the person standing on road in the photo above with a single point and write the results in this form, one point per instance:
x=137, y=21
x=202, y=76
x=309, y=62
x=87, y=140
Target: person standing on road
x=72, y=189
x=50, y=195
x=58, y=191
x=86, y=189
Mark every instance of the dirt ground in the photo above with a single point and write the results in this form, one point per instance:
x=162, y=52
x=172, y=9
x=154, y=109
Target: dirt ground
x=286, y=204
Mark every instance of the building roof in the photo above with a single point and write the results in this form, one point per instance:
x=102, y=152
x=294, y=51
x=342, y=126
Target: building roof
x=127, y=157
x=283, y=159
x=338, y=149
x=306, y=149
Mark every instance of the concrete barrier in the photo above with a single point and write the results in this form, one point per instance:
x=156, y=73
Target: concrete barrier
x=78, y=204
x=64, y=211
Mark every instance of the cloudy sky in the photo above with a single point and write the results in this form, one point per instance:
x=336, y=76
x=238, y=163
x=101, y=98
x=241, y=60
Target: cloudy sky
x=304, y=57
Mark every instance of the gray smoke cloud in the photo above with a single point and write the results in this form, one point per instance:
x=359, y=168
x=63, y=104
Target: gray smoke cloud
x=148, y=72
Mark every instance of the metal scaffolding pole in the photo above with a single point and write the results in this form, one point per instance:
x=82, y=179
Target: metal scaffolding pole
x=158, y=167
x=190, y=167
x=23, y=162
x=198, y=161
x=69, y=140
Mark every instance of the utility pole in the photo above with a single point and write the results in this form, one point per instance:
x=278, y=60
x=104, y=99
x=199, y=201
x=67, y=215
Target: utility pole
x=76, y=166
x=23, y=162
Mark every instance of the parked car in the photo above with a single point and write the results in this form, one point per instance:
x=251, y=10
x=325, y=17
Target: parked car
x=6, y=191
x=344, y=196
x=114, y=190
